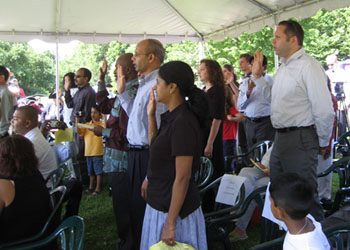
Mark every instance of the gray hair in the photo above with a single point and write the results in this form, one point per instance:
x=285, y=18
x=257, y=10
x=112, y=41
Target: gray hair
x=155, y=47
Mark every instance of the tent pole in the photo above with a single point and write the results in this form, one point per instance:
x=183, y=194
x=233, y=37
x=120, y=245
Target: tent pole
x=57, y=84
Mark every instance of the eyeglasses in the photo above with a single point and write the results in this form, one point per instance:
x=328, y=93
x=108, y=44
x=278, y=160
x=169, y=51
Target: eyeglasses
x=140, y=54
x=78, y=76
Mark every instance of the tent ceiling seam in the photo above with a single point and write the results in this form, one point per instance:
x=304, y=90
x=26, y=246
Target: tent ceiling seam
x=173, y=9
x=261, y=17
x=261, y=6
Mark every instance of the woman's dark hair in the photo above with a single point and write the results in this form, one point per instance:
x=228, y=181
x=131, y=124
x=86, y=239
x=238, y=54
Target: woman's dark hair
x=216, y=77
x=17, y=157
x=71, y=78
x=230, y=68
x=229, y=100
x=181, y=74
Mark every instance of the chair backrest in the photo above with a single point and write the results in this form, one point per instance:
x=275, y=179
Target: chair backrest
x=256, y=152
x=204, y=173
x=342, y=168
x=56, y=199
x=68, y=164
x=71, y=232
x=216, y=229
x=339, y=236
x=54, y=178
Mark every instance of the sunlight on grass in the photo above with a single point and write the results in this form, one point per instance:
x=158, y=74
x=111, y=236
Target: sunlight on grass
x=101, y=231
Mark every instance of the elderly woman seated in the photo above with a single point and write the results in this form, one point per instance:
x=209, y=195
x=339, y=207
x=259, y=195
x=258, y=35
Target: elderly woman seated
x=24, y=198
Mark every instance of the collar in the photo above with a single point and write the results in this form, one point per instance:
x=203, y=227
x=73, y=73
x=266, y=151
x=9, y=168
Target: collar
x=31, y=133
x=247, y=75
x=129, y=84
x=170, y=116
x=143, y=79
x=88, y=84
x=295, y=56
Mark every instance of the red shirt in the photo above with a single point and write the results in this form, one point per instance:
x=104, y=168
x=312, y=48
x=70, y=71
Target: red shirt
x=230, y=127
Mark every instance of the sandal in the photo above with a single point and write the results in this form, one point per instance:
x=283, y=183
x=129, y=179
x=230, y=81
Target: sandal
x=96, y=192
x=234, y=237
x=89, y=190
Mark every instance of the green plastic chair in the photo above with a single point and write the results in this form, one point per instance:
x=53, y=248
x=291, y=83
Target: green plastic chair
x=204, y=173
x=70, y=231
x=339, y=236
x=56, y=199
x=256, y=152
x=217, y=230
x=342, y=196
x=55, y=177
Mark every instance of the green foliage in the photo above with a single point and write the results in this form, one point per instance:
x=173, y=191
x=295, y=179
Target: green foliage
x=35, y=73
x=91, y=56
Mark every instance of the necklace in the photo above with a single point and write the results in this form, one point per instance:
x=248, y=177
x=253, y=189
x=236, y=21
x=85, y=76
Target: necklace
x=302, y=227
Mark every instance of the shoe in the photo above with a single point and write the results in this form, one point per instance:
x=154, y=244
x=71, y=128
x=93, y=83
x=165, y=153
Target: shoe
x=89, y=190
x=96, y=192
x=234, y=237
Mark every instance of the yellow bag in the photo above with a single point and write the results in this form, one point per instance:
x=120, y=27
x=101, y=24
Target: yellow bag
x=179, y=246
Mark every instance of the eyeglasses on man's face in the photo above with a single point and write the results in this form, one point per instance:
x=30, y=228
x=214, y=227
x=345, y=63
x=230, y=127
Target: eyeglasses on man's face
x=140, y=54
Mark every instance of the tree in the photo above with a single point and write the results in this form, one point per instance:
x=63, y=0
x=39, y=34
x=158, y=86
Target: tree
x=35, y=73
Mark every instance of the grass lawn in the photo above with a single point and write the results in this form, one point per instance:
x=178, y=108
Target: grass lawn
x=101, y=231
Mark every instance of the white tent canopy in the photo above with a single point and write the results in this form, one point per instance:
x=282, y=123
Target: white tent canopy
x=102, y=21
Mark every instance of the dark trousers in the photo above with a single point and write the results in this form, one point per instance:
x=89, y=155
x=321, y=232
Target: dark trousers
x=137, y=170
x=296, y=152
x=229, y=150
x=73, y=196
x=79, y=161
x=259, y=131
x=242, y=140
x=119, y=182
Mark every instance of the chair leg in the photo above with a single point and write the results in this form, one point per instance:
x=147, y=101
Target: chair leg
x=227, y=243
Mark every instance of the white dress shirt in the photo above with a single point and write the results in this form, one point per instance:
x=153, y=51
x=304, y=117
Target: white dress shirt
x=259, y=102
x=43, y=151
x=300, y=96
x=137, y=132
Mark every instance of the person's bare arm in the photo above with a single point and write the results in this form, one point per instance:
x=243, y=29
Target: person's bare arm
x=151, y=112
x=183, y=175
x=214, y=129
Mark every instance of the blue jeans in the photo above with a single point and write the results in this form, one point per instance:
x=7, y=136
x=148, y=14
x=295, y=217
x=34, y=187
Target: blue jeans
x=229, y=150
x=95, y=163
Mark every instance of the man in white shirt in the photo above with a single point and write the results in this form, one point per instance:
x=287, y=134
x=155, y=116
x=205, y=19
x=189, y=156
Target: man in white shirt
x=25, y=122
x=301, y=108
x=255, y=100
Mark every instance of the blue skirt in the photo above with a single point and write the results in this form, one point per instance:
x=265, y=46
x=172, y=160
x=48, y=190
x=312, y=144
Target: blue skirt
x=190, y=230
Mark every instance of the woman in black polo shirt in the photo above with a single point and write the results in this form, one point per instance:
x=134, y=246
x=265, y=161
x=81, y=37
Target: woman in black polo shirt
x=173, y=210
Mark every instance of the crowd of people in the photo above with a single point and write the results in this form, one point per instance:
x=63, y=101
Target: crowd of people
x=159, y=124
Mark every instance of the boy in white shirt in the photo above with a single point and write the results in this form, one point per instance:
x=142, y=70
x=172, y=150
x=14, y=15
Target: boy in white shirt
x=291, y=200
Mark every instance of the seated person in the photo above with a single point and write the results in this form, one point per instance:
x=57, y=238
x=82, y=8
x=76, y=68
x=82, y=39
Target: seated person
x=62, y=153
x=291, y=199
x=255, y=178
x=24, y=198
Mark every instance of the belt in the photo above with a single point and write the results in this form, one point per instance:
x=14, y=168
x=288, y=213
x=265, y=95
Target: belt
x=289, y=129
x=259, y=119
x=138, y=147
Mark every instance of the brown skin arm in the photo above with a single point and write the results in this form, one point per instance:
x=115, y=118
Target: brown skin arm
x=179, y=191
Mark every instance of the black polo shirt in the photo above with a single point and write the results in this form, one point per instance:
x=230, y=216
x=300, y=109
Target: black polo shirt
x=178, y=135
